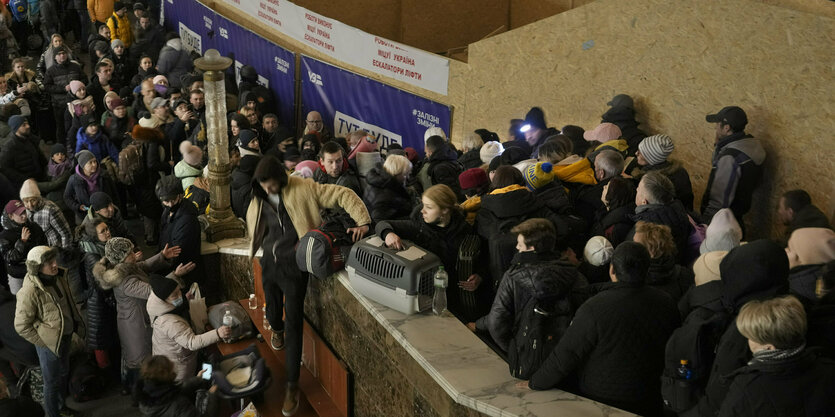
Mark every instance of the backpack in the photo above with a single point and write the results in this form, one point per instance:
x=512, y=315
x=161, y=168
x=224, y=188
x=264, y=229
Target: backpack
x=131, y=164
x=86, y=383
x=242, y=328
x=537, y=332
x=696, y=342
x=321, y=253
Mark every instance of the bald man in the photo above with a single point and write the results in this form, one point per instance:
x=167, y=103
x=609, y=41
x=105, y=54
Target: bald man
x=314, y=123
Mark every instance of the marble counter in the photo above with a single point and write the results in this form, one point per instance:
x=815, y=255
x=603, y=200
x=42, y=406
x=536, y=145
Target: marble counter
x=469, y=371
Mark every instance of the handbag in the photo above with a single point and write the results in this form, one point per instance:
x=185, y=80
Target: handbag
x=197, y=310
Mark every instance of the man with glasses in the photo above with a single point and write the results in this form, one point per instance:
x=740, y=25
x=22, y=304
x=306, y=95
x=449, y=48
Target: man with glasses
x=314, y=123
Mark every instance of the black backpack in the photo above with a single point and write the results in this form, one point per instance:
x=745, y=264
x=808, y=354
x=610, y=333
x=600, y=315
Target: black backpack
x=537, y=332
x=696, y=342
x=321, y=253
x=86, y=381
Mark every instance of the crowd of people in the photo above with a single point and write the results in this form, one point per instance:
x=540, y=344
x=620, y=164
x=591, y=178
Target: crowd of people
x=589, y=241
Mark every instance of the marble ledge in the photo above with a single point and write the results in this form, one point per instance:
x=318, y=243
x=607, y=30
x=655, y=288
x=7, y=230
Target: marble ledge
x=235, y=246
x=470, y=373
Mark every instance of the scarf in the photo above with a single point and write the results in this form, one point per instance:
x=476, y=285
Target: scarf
x=56, y=170
x=776, y=355
x=92, y=181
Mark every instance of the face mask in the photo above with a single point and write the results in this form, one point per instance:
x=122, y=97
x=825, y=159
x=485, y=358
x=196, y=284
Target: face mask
x=178, y=302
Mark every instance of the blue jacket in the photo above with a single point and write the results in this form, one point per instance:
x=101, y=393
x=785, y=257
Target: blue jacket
x=99, y=145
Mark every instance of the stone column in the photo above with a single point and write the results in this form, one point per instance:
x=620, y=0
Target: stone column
x=222, y=221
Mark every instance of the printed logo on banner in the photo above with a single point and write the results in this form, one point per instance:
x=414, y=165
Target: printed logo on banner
x=425, y=119
x=281, y=65
x=261, y=80
x=207, y=21
x=223, y=33
x=191, y=39
x=316, y=79
x=343, y=124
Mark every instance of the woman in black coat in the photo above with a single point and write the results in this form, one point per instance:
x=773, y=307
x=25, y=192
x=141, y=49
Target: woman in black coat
x=619, y=198
x=386, y=195
x=93, y=234
x=241, y=184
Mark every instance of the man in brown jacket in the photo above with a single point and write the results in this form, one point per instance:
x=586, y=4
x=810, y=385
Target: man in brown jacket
x=282, y=210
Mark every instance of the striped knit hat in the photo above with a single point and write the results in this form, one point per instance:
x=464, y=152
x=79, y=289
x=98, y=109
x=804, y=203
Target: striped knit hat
x=655, y=149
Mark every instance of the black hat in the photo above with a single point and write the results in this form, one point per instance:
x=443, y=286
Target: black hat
x=245, y=137
x=100, y=200
x=168, y=188
x=57, y=148
x=535, y=118
x=248, y=72
x=513, y=154
x=138, y=6
x=731, y=115
x=60, y=49
x=162, y=286
x=292, y=154
x=119, y=5
x=92, y=120
x=624, y=100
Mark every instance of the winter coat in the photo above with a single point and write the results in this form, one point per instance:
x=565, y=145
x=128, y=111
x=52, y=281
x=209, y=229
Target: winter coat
x=443, y=168
x=624, y=118
x=555, y=198
x=471, y=159
x=174, y=61
x=131, y=288
x=702, y=299
x=587, y=202
x=174, y=338
x=137, y=79
x=575, y=170
x=101, y=304
x=347, y=179
x=38, y=318
x=21, y=159
x=186, y=173
x=77, y=194
x=566, y=288
x=506, y=207
x=179, y=227
x=172, y=400
x=241, y=184
x=303, y=200
x=58, y=77
x=13, y=249
x=809, y=216
x=120, y=28
x=673, y=279
x=116, y=129
x=737, y=168
x=21, y=351
x=147, y=41
x=821, y=322
x=97, y=91
x=615, y=225
x=616, y=345
x=802, y=281
x=672, y=215
x=99, y=145
x=802, y=385
x=385, y=197
x=99, y=10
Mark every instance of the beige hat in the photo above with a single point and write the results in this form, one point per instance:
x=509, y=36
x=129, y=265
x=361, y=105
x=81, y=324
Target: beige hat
x=706, y=267
x=35, y=258
x=811, y=246
x=598, y=251
x=29, y=189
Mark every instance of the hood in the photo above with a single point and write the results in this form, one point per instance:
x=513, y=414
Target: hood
x=175, y=44
x=619, y=115
x=661, y=270
x=113, y=277
x=757, y=270
x=154, y=398
x=751, y=147
x=184, y=170
x=579, y=172
x=157, y=307
x=723, y=233
x=511, y=203
x=380, y=178
x=82, y=136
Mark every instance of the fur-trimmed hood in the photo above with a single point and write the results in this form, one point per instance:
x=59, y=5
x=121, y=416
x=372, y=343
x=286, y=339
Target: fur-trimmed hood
x=146, y=134
x=113, y=277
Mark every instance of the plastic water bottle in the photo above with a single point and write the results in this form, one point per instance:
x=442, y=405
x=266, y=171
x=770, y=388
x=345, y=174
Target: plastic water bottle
x=266, y=321
x=684, y=371
x=439, y=299
x=228, y=320
x=253, y=302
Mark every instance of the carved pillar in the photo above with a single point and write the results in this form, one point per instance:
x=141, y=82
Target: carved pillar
x=222, y=221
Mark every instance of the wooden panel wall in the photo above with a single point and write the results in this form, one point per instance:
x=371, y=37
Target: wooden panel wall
x=439, y=25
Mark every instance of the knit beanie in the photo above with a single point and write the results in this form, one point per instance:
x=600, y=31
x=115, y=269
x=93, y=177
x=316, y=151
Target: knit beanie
x=35, y=258
x=604, y=132
x=59, y=50
x=117, y=249
x=100, y=200
x=162, y=286
x=411, y=154
x=723, y=232
x=434, y=131
x=535, y=118
x=116, y=42
x=84, y=157
x=811, y=246
x=598, y=251
x=158, y=102
x=116, y=103
x=706, y=267
x=655, y=149
x=160, y=78
x=538, y=175
x=75, y=85
x=29, y=189
x=15, y=122
x=472, y=178
x=193, y=155
x=494, y=164
x=57, y=148
x=622, y=100
x=245, y=137
x=307, y=165
x=489, y=151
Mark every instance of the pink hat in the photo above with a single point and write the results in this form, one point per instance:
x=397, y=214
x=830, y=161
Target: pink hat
x=311, y=165
x=160, y=78
x=603, y=133
x=193, y=155
x=363, y=146
x=75, y=85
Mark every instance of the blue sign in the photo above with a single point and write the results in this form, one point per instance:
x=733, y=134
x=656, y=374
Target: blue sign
x=194, y=23
x=348, y=102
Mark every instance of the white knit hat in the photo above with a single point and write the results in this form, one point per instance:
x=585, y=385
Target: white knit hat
x=723, y=232
x=655, y=149
x=434, y=131
x=29, y=189
x=598, y=251
x=490, y=150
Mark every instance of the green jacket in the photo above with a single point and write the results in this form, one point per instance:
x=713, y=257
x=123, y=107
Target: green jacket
x=38, y=317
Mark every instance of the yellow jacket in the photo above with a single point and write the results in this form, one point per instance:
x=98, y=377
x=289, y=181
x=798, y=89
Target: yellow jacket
x=99, y=10
x=579, y=172
x=120, y=29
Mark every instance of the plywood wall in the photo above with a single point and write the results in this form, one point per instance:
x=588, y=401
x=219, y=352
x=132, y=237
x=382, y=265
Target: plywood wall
x=680, y=60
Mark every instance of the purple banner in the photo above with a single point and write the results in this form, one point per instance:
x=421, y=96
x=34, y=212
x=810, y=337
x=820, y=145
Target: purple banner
x=348, y=101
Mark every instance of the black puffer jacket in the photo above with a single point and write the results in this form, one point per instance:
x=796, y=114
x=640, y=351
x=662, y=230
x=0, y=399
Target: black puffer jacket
x=616, y=345
x=615, y=225
x=58, y=77
x=13, y=249
x=624, y=118
x=241, y=184
x=172, y=400
x=385, y=197
x=506, y=207
x=672, y=215
x=101, y=304
x=471, y=159
x=673, y=279
x=555, y=198
x=444, y=168
x=21, y=159
x=179, y=227
x=757, y=270
x=566, y=287
x=802, y=385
